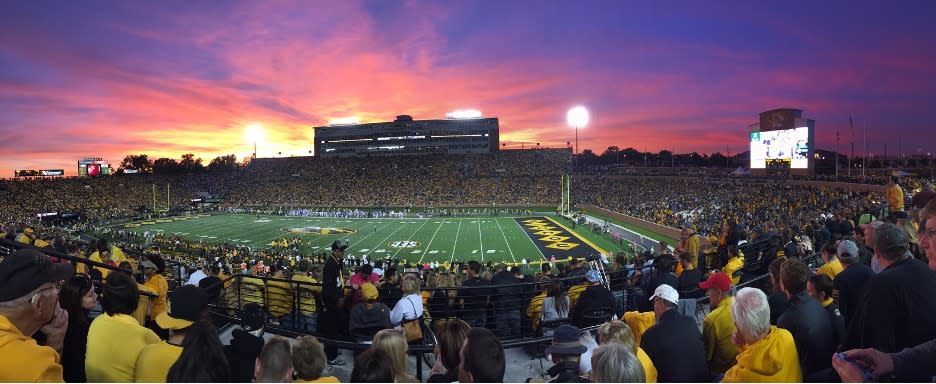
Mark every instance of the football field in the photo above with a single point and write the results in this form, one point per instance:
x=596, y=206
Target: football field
x=438, y=239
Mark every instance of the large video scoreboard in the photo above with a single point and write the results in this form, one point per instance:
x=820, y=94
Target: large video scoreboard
x=93, y=166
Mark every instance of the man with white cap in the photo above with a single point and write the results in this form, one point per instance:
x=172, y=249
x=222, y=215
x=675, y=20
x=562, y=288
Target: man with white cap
x=674, y=344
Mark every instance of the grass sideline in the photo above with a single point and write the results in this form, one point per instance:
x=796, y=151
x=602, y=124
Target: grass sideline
x=648, y=233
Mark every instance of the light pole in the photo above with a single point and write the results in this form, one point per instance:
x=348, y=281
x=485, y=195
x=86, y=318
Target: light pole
x=577, y=117
x=254, y=134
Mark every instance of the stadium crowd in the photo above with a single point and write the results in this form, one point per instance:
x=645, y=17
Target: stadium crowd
x=864, y=312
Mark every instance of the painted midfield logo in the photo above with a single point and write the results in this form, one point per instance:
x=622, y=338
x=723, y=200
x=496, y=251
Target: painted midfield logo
x=320, y=230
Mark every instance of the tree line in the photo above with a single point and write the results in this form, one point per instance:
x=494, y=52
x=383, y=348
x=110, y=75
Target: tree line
x=141, y=163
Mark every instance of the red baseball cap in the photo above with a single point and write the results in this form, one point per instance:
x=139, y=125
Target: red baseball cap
x=717, y=280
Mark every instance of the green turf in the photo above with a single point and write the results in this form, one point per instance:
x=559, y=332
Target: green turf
x=646, y=232
x=602, y=240
x=435, y=239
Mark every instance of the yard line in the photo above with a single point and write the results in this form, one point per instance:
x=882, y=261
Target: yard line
x=385, y=239
x=411, y=236
x=481, y=239
x=430, y=242
x=452, y=260
x=505, y=239
x=369, y=234
x=527, y=235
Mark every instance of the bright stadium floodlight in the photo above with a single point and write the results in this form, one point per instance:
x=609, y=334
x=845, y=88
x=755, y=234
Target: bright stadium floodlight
x=254, y=134
x=577, y=117
x=464, y=114
x=344, y=121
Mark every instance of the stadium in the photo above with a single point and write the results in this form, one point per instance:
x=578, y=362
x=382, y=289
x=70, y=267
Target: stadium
x=266, y=232
x=371, y=236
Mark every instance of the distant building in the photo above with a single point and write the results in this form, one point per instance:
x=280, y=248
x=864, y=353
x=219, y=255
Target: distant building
x=405, y=136
x=782, y=142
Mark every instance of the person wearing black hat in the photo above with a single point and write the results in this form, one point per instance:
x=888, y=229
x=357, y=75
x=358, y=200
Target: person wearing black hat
x=193, y=350
x=566, y=350
x=29, y=285
x=335, y=316
x=246, y=344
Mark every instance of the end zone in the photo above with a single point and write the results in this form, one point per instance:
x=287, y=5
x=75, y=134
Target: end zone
x=555, y=239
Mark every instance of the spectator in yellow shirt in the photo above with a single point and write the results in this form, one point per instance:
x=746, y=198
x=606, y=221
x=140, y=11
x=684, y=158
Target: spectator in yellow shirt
x=895, y=195
x=29, y=285
x=308, y=289
x=735, y=263
x=279, y=295
x=832, y=265
x=193, y=353
x=155, y=282
x=115, y=338
x=767, y=354
x=717, y=328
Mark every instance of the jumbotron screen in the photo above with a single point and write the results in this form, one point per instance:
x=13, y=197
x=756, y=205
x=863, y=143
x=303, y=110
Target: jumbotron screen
x=788, y=144
x=93, y=168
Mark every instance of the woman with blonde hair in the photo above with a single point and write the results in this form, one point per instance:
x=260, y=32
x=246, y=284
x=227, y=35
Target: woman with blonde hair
x=393, y=342
x=443, y=299
x=911, y=230
x=410, y=306
x=617, y=331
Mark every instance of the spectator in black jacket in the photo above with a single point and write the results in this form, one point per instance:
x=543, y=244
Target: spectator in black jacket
x=910, y=364
x=508, y=303
x=806, y=320
x=246, y=344
x=595, y=298
x=334, y=319
x=851, y=282
x=674, y=344
x=820, y=288
x=474, y=296
x=777, y=300
x=899, y=309
x=690, y=277
x=389, y=289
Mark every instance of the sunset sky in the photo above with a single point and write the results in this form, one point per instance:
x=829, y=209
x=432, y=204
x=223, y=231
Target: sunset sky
x=107, y=79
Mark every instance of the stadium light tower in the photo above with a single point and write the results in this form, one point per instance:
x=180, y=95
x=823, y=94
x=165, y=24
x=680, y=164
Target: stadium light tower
x=577, y=117
x=254, y=134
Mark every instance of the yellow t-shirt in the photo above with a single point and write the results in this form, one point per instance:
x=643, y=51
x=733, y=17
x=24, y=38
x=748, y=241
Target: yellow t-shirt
x=158, y=285
x=650, y=371
x=22, y=360
x=116, y=259
x=279, y=298
x=323, y=379
x=307, y=293
x=155, y=360
x=114, y=344
x=639, y=322
x=831, y=269
x=717, y=329
x=251, y=290
x=734, y=264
